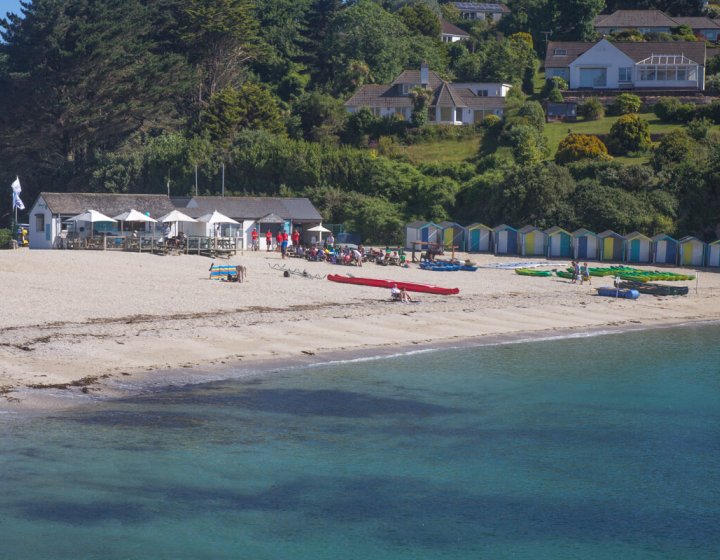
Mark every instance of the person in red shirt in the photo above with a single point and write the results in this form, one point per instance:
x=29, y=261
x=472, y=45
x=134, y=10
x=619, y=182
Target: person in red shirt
x=268, y=240
x=255, y=239
x=295, y=239
x=279, y=238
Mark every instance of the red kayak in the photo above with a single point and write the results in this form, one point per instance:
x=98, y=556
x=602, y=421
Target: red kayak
x=409, y=286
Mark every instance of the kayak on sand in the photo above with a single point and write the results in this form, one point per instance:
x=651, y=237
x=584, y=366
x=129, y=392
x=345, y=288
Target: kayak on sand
x=388, y=284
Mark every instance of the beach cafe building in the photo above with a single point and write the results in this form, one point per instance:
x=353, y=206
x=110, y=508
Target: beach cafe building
x=51, y=213
x=264, y=213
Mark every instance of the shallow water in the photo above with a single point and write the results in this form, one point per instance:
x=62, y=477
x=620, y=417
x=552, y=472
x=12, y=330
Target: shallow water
x=598, y=447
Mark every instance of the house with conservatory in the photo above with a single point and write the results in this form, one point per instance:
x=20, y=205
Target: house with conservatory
x=450, y=102
x=668, y=66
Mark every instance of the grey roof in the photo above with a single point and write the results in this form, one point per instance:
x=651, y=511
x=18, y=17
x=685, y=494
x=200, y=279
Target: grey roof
x=662, y=237
x=248, y=207
x=637, y=235
x=111, y=204
x=694, y=50
x=556, y=229
x=481, y=7
x=529, y=229
x=634, y=19
x=447, y=28
x=445, y=94
x=697, y=22
x=583, y=232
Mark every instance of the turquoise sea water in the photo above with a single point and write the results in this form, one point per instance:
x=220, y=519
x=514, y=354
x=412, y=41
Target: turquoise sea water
x=586, y=448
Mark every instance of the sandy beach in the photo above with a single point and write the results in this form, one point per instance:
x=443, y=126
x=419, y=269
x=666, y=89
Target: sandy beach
x=90, y=319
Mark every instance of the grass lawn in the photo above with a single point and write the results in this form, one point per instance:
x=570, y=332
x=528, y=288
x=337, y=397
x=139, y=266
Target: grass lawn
x=443, y=150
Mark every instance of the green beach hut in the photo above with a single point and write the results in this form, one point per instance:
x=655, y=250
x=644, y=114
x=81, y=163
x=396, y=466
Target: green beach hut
x=638, y=248
x=533, y=241
x=479, y=238
x=692, y=251
x=612, y=246
x=559, y=243
x=712, y=254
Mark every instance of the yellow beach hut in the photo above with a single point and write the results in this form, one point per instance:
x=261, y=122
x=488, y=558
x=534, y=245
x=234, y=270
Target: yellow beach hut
x=612, y=246
x=692, y=251
x=506, y=240
x=586, y=245
x=533, y=241
x=453, y=235
x=664, y=249
x=559, y=243
x=479, y=238
x=638, y=248
x=712, y=255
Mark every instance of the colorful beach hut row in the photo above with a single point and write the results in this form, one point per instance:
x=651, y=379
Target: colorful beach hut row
x=555, y=242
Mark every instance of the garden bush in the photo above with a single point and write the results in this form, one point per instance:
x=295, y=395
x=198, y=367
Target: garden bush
x=575, y=147
x=592, y=110
x=627, y=103
x=629, y=134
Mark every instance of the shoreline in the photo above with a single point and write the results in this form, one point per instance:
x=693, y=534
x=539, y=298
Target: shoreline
x=102, y=322
x=39, y=402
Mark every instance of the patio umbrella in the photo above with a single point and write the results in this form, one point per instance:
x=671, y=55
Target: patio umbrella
x=319, y=229
x=216, y=217
x=92, y=216
x=174, y=217
x=134, y=216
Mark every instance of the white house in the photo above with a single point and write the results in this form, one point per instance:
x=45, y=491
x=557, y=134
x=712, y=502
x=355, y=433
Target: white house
x=450, y=33
x=481, y=11
x=669, y=65
x=450, y=103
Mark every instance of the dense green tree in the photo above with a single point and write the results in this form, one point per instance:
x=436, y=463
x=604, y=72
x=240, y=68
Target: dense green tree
x=628, y=134
x=418, y=18
x=421, y=98
x=322, y=116
x=627, y=103
x=674, y=148
x=316, y=33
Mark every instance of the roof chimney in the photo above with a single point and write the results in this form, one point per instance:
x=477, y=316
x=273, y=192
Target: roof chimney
x=424, y=75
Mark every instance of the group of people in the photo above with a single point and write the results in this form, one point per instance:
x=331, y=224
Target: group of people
x=336, y=255
x=580, y=273
x=282, y=240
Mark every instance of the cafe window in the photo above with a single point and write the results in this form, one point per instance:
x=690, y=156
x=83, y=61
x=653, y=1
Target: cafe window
x=39, y=222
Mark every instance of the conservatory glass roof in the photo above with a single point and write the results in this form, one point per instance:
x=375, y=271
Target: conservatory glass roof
x=667, y=60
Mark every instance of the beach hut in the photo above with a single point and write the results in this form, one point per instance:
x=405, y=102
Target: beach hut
x=479, y=238
x=453, y=235
x=419, y=234
x=712, y=254
x=586, y=245
x=664, y=249
x=506, y=240
x=533, y=241
x=612, y=246
x=638, y=248
x=691, y=251
x=559, y=243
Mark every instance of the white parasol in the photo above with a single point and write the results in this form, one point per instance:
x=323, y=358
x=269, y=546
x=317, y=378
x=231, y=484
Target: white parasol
x=319, y=229
x=216, y=217
x=91, y=216
x=135, y=216
x=174, y=217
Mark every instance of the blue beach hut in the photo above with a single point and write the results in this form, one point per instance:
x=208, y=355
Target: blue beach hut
x=479, y=238
x=453, y=235
x=559, y=243
x=712, y=254
x=419, y=233
x=638, y=248
x=665, y=249
x=506, y=240
x=586, y=245
x=533, y=241
x=692, y=251
x=612, y=246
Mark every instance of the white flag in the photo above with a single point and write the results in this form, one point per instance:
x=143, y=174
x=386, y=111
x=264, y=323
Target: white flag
x=17, y=203
x=16, y=186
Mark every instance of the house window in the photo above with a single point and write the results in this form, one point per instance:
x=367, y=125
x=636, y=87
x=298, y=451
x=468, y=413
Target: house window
x=682, y=74
x=431, y=114
x=40, y=222
x=625, y=74
x=482, y=93
x=458, y=115
x=560, y=52
x=446, y=114
x=478, y=115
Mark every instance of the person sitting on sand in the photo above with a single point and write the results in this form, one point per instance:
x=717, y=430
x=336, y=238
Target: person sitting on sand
x=395, y=293
x=405, y=297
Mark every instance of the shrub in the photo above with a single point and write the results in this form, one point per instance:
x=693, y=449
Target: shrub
x=630, y=133
x=491, y=121
x=698, y=129
x=666, y=107
x=712, y=84
x=711, y=112
x=533, y=114
x=627, y=103
x=592, y=110
x=575, y=147
x=555, y=96
x=5, y=238
x=686, y=112
x=673, y=148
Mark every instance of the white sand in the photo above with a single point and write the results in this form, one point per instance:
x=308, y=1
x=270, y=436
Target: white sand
x=67, y=315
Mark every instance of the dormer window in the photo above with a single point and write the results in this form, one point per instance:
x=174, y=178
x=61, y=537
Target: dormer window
x=406, y=88
x=560, y=52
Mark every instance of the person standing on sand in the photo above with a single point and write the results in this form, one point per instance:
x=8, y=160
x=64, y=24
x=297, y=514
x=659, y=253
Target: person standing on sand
x=296, y=239
x=268, y=240
x=283, y=244
x=254, y=235
x=585, y=273
x=279, y=239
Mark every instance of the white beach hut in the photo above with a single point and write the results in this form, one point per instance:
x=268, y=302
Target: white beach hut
x=533, y=241
x=692, y=251
x=712, y=254
x=665, y=249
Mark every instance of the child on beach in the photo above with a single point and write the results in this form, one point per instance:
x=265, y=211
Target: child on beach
x=585, y=274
